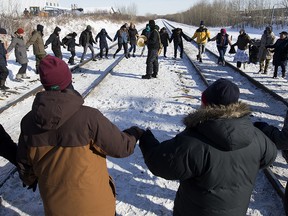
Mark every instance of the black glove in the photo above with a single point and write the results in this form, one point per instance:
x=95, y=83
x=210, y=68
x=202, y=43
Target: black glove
x=209, y=39
x=45, y=47
x=32, y=186
x=135, y=131
x=8, y=149
x=260, y=125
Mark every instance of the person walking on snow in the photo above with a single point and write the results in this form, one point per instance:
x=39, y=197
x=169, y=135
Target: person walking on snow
x=265, y=55
x=201, y=34
x=242, y=42
x=86, y=40
x=222, y=40
x=70, y=41
x=133, y=35
x=54, y=39
x=280, y=54
x=63, y=147
x=176, y=37
x=18, y=44
x=102, y=36
x=123, y=37
x=164, y=36
x=36, y=40
x=4, y=72
x=216, y=158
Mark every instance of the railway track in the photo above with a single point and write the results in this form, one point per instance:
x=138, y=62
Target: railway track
x=274, y=178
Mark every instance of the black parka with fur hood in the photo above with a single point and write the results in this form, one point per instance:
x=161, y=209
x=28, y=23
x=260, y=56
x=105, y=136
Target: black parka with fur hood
x=216, y=159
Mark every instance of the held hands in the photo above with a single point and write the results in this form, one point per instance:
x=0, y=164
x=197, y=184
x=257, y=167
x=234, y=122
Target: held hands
x=135, y=131
x=45, y=47
x=32, y=186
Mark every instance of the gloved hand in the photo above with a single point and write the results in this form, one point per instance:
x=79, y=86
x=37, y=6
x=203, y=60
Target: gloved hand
x=32, y=186
x=64, y=46
x=135, y=131
x=209, y=39
x=260, y=125
x=45, y=47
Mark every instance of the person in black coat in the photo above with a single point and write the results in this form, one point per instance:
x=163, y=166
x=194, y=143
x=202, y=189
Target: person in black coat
x=280, y=54
x=123, y=38
x=70, y=42
x=86, y=40
x=8, y=149
x=4, y=72
x=146, y=32
x=164, y=40
x=133, y=34
x=103, y=35
x=153, y=44
x=54, y=39
x=176, y=36
x=216, y=158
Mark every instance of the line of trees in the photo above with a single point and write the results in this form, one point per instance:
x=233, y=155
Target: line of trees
x=238, y=13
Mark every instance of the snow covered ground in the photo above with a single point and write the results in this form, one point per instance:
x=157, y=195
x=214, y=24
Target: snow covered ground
x=128, y=100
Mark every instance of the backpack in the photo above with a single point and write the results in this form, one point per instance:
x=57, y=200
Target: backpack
x=66, y=39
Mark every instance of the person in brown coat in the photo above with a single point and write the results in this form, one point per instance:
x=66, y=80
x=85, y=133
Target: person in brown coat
x=36, y=40
x=63, y=146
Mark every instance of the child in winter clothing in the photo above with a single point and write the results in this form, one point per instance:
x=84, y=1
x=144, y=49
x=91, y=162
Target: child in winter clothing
x=102, y=36
x=164, y=36
x=18, y=44
x=146, y=32
x=222, y=41
x=70, y=42
x=4, y=72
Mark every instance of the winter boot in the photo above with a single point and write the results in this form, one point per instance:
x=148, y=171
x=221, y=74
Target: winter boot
x=147, y=76
x=2, y=85
x=18, y=77
x=24, y=76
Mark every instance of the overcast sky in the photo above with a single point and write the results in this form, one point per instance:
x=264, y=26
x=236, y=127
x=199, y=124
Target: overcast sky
x=143, y=7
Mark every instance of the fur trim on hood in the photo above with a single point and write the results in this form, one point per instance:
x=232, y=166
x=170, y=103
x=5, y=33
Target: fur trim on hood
x=235, y=110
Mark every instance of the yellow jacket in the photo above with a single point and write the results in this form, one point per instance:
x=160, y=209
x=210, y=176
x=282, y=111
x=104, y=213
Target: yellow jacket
x=202, y=34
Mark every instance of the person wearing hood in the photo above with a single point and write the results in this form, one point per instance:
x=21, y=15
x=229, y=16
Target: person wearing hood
x=133, y=35
x=102, y=36
x=86, y=40
x=153, y=45
x=18, y=44
x=242, y=43
x=4, y=72
x=70, y=41
x=216, y=158
x=63, y=147
x=36, y=40
x=146, y=32
x=202, y=34
x=164, y=36
x=176, y=37
x=54, y=39
x=222, y=40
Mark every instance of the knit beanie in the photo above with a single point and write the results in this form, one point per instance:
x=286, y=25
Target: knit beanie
x=201, y=23
x=3, y=31
x=223, y=31
x=221, y=92
x=20, y=31
x=151, y=23
x=54, y=73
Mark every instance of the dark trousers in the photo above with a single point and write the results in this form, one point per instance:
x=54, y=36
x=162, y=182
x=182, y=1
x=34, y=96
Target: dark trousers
x=120, y=47
x=132, y=47
x=283, y=69
x=181, y=50
x=222, y=51
x=90, y=46
x=73, y=54
x=164, y=50
x=57, y=53
x=23, y=69
x=38, y=58
x=152, y=66
x=4, y=72
x=101, y=52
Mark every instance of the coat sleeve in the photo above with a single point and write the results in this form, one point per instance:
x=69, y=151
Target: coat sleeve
x=8, y=149
x=11, y=46
x=172, y=159
x=32, y=40
x=110, y=139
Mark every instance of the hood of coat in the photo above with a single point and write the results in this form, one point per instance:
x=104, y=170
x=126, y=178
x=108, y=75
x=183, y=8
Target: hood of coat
x=57, y=30
x=227, y=128
x=51, y=109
